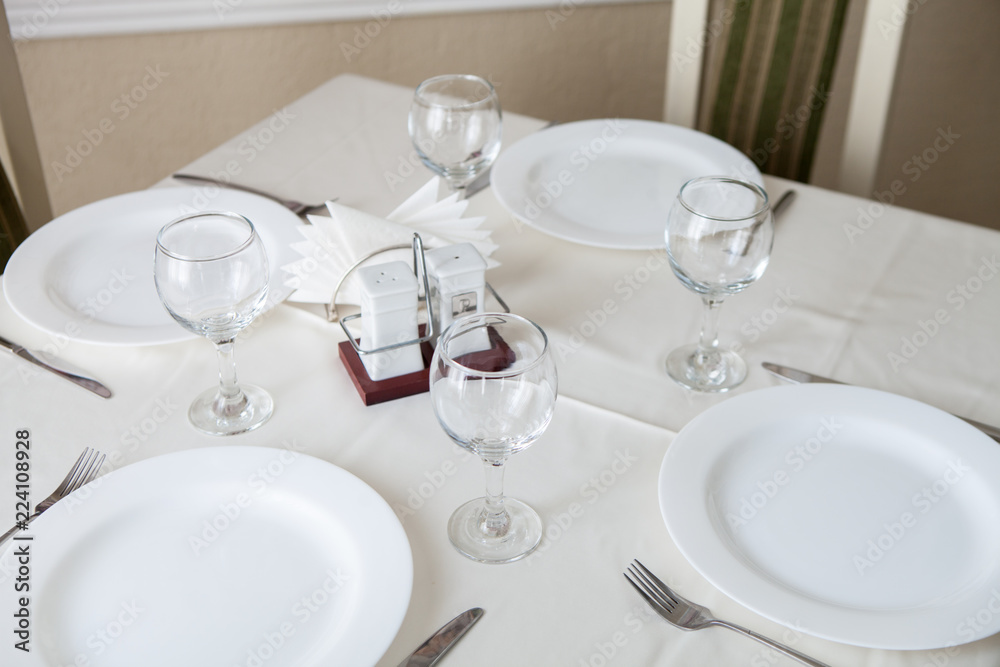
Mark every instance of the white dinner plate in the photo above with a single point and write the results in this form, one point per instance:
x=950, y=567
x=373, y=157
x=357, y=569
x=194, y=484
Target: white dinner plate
x=88, y=274
x=846, y=513
x=610, y=182
x=221, y=556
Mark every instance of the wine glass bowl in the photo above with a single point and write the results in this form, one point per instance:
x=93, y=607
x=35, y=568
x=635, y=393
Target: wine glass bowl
x=493, y=386
x=719, y=235
x=211, y=275
x=455, y=124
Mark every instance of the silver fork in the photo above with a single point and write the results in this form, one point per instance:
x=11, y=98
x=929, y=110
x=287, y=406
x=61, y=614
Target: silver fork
x=687, y=615
x=84, y=470
x=296, y=207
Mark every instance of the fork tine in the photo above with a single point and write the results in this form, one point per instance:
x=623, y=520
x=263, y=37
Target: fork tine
x=662, y=587
x=654, y=591
x=93, y=468
x=74, y=472
x=645, y=596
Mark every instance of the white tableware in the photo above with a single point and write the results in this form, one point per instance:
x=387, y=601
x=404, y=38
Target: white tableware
x=218, y=556
x=610, y=182
x=847, y=513
x=210, y=271
x=456, y=127
x=493, y=387
x=88, y=275
x=719, y=234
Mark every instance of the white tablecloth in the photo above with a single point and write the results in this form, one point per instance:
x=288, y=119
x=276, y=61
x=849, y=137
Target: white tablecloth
x=852, y=291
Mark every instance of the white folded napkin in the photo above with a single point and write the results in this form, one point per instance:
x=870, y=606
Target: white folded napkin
x=332, y=245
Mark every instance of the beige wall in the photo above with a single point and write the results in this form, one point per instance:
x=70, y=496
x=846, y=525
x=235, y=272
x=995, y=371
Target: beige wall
x=948, y=86
x=599, y=62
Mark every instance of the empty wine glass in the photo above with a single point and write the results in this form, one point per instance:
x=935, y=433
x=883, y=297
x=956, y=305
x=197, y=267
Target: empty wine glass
x=455, y=125
x=211, y=275
x=493, y=387
x=719, y=236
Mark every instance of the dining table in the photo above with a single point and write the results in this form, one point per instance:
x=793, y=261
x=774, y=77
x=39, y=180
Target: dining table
x=858, y=290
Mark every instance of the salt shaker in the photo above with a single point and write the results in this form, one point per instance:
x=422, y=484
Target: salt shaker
x=457, y=276
x=389, y=316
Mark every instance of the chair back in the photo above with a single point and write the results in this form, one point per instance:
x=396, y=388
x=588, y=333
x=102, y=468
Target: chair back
x=13, y=229
x=766, y=79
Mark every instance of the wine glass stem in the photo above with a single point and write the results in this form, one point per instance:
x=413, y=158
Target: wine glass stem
x=708, y=343
x=231, y=398
x=495, y=521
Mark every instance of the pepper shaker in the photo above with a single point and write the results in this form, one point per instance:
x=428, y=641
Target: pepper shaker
x=457, y=277
x=389, y=316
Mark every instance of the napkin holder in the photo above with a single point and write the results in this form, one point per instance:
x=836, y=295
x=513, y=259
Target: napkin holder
x=350, y=350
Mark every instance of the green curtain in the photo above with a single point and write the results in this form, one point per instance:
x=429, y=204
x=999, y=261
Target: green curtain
x=768, y=79
x=13, y=229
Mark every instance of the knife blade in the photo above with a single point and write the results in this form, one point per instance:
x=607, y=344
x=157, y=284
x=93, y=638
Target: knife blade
x=802, y=377
x=65, y=370
x=440, y=642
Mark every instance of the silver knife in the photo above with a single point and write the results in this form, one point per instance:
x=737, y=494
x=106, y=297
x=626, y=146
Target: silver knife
x=441, y=641
x=802, y=377
x=65, y=370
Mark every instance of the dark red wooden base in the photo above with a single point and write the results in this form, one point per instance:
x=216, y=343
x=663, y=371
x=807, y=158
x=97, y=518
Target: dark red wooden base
x=380, y=391
x=498, y=357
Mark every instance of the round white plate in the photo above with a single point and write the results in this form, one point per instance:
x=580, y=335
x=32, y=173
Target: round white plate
x=219, y=556
x=611, y=182
x=88, y=274
x=846, y=513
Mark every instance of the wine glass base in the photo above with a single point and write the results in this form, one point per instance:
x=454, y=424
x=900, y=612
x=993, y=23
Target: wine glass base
x=206, y=413
x=523, y=535
x=684, y=367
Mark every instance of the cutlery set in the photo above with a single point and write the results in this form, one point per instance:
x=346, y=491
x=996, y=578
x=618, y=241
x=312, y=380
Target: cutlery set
x=63, y=370
x=86, y=468
x=666, y=602
x=687, y=615
x=296, y=207
x=801, y=377
x=432, y=650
